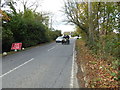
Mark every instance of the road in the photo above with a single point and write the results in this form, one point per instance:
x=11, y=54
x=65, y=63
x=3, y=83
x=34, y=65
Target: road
x=46, y=66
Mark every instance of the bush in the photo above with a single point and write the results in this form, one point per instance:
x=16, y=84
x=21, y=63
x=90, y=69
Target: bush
x=7, y=39
x=25, y=28
x=112, y=45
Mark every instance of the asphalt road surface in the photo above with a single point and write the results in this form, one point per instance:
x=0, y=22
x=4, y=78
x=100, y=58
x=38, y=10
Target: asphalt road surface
x=46, y=66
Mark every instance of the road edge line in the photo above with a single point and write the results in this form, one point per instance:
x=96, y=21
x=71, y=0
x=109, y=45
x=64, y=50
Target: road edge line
x=72, y=71
x=74, y=80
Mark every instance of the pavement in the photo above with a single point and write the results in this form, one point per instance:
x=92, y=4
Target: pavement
x=47, y=66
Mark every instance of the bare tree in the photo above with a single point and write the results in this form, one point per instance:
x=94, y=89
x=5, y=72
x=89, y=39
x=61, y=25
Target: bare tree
x=25, y=4
x=76, y=15
x=31, y=5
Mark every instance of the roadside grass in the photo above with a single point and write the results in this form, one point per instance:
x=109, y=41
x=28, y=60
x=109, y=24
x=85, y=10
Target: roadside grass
x=13, y=52
x=94, y=72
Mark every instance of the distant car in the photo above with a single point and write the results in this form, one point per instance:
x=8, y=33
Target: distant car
x=59, y=39
x=77, y=37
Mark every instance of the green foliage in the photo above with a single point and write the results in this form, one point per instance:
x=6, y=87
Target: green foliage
x=28, y=27
x=104, y=18
x=7, y=39
x=97, y=22
x=113, y=74
x=112, y=45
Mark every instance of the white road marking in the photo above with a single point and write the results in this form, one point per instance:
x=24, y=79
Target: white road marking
x=16, y=68
x=51, y=48
x=72, y=71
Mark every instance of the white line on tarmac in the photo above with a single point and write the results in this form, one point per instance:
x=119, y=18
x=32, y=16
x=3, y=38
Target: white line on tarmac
x=51, y=48
x=16, y=68
x=72, y=71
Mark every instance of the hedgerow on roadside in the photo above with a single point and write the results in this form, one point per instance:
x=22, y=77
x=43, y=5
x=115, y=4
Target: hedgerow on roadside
x=97, y=72
x=28, y=27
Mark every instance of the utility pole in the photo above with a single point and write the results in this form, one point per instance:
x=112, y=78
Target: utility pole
x=91, y=33
x=51, y=23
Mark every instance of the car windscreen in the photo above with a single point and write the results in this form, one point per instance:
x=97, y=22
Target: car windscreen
x=59, y=38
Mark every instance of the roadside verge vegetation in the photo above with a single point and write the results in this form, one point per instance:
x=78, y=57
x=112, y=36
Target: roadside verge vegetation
x=98, y=23
x=28, y=27
x=94, y=71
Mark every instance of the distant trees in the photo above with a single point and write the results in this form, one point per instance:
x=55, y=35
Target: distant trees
x=99, y=23
x=28, y=27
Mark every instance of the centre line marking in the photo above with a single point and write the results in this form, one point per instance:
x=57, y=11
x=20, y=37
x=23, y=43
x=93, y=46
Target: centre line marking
x=51, y=48
x=16, y=68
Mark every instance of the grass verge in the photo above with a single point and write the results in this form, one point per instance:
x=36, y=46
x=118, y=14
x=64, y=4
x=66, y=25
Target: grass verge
x=94, y=72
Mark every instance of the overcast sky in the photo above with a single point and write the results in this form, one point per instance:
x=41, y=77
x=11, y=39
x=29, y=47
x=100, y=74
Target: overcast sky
x=58, y=17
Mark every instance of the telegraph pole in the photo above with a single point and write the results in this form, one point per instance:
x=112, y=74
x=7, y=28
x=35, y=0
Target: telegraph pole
x=51, y=23
x=91, y=33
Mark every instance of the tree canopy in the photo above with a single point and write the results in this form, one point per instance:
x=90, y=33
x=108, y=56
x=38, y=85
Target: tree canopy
x=28, y=26
x=99, y=24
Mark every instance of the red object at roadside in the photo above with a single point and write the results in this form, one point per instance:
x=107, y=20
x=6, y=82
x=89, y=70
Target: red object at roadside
x=16, y=46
